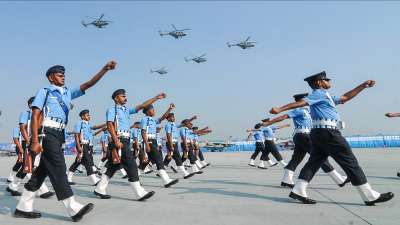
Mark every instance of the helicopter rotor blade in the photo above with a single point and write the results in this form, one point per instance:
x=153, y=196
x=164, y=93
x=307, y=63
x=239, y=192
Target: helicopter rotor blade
x=202, y=55
x=248, y=38
x=173, y=26
x=101, y=17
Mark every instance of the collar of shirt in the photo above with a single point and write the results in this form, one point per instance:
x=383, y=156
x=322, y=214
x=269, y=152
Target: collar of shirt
x=59, y=89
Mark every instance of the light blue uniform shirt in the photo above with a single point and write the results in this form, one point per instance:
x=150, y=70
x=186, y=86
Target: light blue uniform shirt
x=16, y=132
x=323, y=105
x=171, y=128
x=149, y=124
x=269, y=132
x=83, y=127
x=53, y=108
x=301, y=118
x=136, y=135
x=123, y=115
x=104, y=137
x=258, y=136
x=25, y=116
x=185, y=133
x=195, y=137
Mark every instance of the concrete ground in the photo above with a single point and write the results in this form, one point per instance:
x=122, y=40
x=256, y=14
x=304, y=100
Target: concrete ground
x=228, y=193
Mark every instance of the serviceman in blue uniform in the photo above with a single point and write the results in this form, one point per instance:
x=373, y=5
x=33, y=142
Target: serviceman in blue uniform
x=149, y=129
x=20, y=153
x=186, y=134
x=138, y=149
x=172, y=136
x=259, y=138
x=327, y=140
x=269, y=143
x=29, y=158
x=196, y=136
x=104, y=140
x=302, y=126
x=119, y=123
x=51, y=106
x=391, y=115
x=83, y=138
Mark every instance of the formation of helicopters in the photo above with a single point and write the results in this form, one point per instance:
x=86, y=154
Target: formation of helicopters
x=175, y=33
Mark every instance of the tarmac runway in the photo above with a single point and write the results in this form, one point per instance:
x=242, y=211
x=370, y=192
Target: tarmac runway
x=228, y=193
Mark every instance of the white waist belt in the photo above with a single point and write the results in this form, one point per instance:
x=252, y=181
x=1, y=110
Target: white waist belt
x=123, y=134
x=151, y=136
x=269, y=139
x=260, y=141
x=84, y=142
x=329, y=124
x=302, y=130
x=47, y=122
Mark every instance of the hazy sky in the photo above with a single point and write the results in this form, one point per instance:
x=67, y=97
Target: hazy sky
x=235, y=88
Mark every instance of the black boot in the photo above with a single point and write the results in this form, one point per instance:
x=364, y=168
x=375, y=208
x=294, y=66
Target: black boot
x=146, y=196
x=283, y=184
x=171, y=183
x=13, y=193
x=382, y=198
x=46, y=195
x=29, y=215
x=101, y=195
x=85, y=210
x=304, y=200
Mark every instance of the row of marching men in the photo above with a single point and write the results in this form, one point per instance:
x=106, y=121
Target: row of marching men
x=317, y=131
x=187, y=133
x=43, y=131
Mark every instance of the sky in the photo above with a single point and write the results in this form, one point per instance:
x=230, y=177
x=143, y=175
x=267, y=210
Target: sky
x=235, y=88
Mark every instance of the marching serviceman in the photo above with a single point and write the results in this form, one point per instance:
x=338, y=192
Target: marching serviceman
x=28, y=158
x=171, y=131
x=327, y=140
x=149, y=129
x=118, y=123
x=302, y=126
x=50, y=111
x=83, y=138
x=20, y=154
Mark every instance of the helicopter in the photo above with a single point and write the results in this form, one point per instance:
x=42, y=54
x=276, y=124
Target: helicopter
x=243, y=44
x=99, y=23
x=175, y=33
x=198, y=59
x=160, y=71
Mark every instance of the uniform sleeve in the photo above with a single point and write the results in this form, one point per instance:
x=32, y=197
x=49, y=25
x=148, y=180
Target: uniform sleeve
x=16, y=133
x=132, y=111
x=76, y=92
x=316, y=97
x=293, y=113
x=110, y=115
x=77, y=128
x=336, y=100
x=39, y=99
x=182, y=133
x=273, y=127
x=143, y=124
x=23, y=118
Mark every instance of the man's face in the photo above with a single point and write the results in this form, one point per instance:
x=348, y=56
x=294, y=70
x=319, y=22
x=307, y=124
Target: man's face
x=121, y=99
x=151, y=112
x=137, y=125
x=171, y=119
x=86, y=116
x=57, y=79
x=325, y=84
